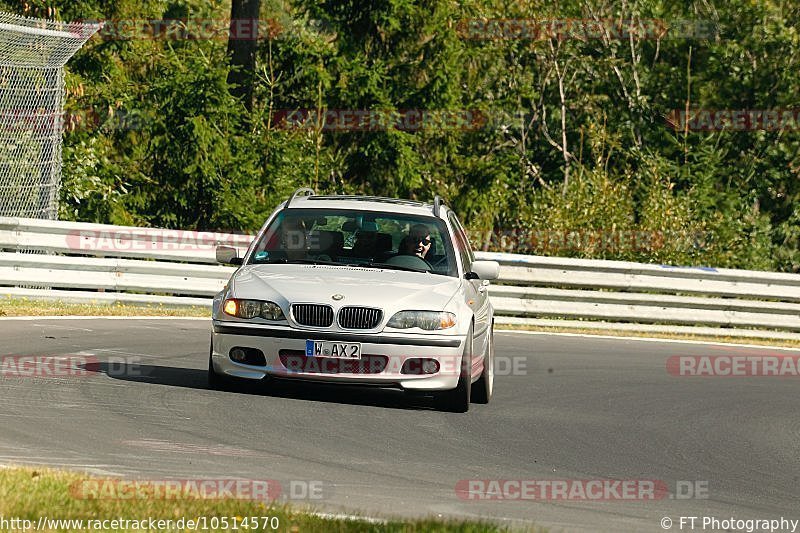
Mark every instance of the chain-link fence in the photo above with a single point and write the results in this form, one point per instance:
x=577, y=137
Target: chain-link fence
x=33, y=53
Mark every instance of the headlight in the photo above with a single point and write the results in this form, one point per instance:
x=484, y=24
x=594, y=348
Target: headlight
x=428, y=320
x=271, y=311
x=252, y=308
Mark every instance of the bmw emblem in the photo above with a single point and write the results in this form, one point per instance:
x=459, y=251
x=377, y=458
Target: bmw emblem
x=338, y=297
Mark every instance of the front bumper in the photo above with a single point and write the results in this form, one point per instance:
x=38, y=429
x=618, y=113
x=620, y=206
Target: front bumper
x=383, y=356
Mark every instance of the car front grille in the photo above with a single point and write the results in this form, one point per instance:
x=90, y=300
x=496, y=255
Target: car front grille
x=315, y=315
x=360, y=317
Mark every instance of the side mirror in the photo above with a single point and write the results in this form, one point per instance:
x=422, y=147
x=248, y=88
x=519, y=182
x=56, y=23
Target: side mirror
x=228, y=255
x=485, y=270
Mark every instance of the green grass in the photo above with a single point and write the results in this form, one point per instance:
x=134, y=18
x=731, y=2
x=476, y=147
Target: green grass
x=34, y=307
x=31, y=493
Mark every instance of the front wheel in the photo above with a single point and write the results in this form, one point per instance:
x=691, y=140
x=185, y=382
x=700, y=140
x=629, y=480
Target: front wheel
x=457, y=400
x=484, y=387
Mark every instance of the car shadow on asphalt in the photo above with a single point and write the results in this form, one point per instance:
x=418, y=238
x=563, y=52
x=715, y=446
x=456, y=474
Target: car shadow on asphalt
x=193, y=378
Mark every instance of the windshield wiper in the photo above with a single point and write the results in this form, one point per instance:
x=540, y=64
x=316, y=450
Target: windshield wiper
x=387, y=266
x=285, y=261
x=390, y=267
x=281, y=260
x=310, y=262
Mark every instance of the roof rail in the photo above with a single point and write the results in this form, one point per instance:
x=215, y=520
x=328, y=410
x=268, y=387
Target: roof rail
x=437, y=204
x=296, y=193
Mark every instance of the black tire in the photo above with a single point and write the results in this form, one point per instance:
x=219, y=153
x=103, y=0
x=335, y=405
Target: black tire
x=457, y=400
x=484, y=387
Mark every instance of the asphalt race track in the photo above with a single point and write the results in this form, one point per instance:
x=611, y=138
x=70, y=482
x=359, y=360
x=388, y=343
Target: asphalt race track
x=577, y=408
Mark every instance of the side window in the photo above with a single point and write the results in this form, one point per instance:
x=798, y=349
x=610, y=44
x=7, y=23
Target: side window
x=461, y=242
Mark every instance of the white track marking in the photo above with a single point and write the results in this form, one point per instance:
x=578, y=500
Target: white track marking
x=648, y=339
x=342, y=516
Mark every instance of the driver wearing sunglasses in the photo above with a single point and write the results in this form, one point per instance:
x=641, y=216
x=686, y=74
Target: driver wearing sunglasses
x=418, y=242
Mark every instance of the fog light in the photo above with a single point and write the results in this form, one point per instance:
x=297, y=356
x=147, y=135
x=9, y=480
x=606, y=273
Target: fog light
x=238, y=355
x=430, y=366
x=417, y=366
x=247, y=356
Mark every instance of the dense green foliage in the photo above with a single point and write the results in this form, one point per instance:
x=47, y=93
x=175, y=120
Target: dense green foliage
x=575, y=140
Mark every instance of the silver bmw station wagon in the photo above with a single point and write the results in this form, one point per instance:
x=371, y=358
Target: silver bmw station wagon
x=358, y=290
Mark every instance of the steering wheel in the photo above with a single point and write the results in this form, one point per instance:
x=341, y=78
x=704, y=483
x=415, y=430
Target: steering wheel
x=409, y=261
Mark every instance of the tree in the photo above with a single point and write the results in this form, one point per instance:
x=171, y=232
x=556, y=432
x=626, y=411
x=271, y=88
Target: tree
x=242, y=46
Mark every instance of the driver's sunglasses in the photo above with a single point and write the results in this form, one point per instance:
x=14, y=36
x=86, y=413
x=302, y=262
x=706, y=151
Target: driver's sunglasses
x=424, y=240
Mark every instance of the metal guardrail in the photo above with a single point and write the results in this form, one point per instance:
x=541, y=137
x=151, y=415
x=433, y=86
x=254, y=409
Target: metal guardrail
x=170, y=267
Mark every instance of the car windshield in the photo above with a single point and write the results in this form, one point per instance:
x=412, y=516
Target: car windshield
x=368, y=239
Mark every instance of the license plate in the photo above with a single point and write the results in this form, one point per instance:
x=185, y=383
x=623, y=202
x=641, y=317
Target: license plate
x=338, y=350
